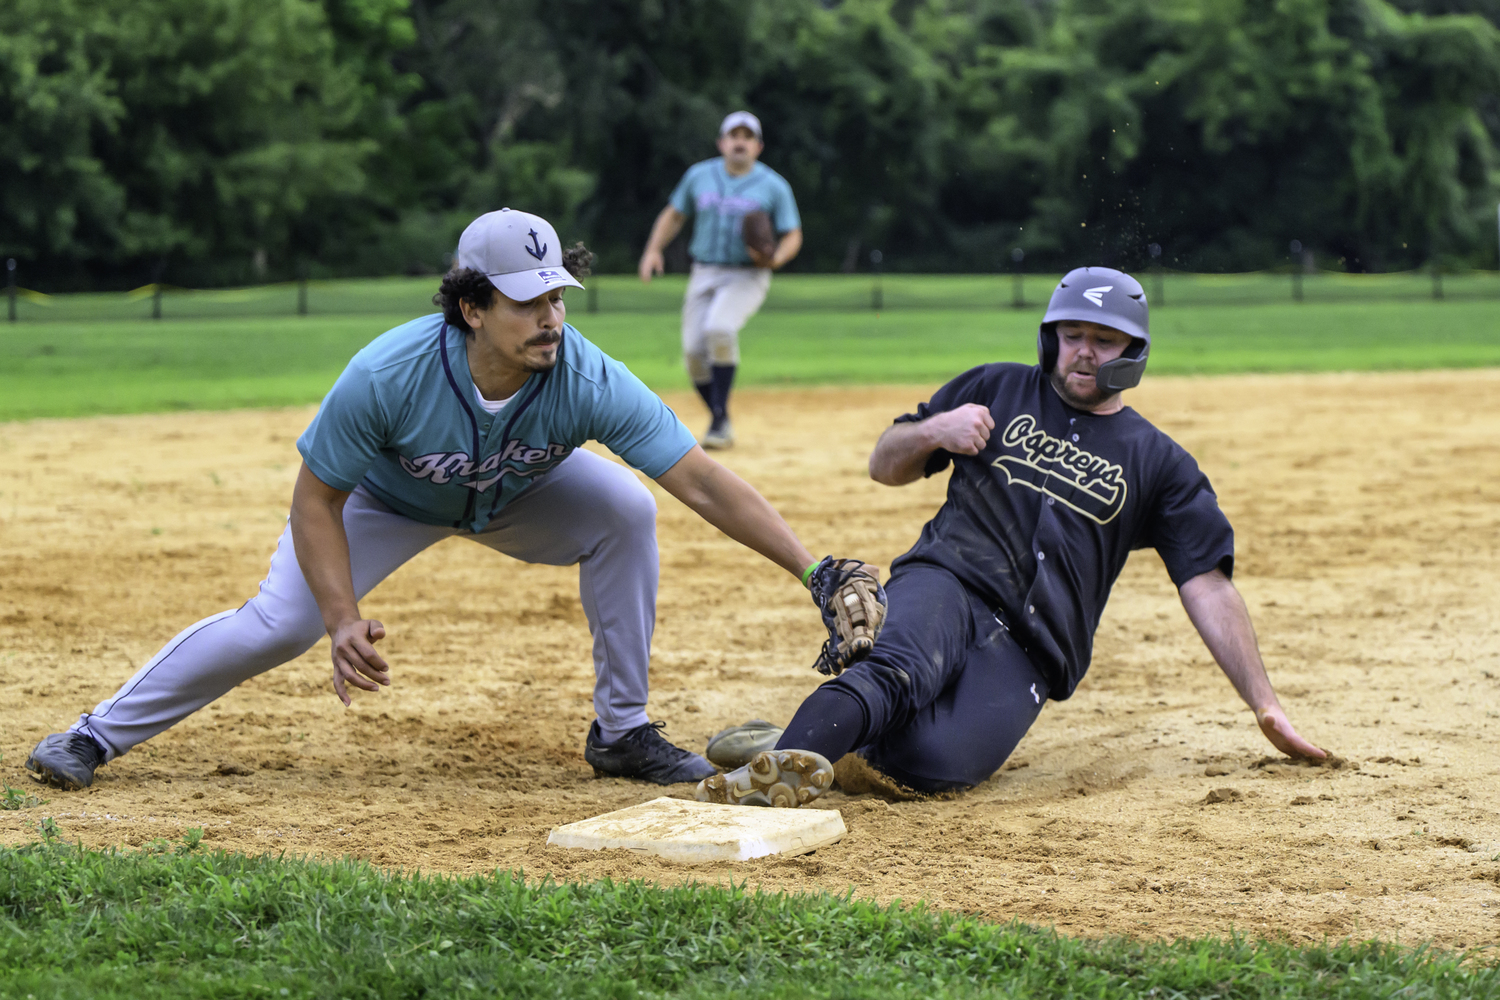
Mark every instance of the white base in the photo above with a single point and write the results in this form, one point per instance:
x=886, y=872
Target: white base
x=697, y=832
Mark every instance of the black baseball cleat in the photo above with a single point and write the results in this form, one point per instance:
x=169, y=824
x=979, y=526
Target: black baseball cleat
x=644, y=754
x=66, y=760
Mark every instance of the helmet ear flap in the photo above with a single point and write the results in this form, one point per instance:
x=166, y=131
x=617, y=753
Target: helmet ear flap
x=1046, y=347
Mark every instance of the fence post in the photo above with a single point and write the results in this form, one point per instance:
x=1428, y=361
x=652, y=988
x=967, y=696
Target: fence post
x=302, y=288
x=592, y=297
x=10, y=286
x=877, y=293
x=156, y=273
x=1158, y=292
x=1437, y=279
x=1017, y=290
x=1296, y=247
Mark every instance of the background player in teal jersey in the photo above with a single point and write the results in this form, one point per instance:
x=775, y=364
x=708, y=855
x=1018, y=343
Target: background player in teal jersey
x=465, y=423
x=726, y=287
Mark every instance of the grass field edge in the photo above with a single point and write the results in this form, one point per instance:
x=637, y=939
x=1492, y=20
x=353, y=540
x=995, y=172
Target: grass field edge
x=137, y=901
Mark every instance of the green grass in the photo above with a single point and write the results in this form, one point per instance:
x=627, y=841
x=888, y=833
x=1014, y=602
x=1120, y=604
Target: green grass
x=13, y=799
x=174, y=921
x=74, y=369
x=65, y=369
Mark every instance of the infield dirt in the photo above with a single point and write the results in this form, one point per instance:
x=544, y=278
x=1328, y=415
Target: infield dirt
x=1367, y=515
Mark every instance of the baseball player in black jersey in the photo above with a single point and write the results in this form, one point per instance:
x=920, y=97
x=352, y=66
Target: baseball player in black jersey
x=993, y=610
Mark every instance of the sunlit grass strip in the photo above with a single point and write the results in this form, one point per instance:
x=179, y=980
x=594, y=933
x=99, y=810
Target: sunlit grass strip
x=77, y=369
x=172, y=921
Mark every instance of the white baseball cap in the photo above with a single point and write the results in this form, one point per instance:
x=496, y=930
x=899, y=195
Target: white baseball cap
x=741, y=119
x=519, y=252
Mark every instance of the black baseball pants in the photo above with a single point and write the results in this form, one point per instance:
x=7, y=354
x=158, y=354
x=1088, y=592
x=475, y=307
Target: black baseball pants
x=942, y=700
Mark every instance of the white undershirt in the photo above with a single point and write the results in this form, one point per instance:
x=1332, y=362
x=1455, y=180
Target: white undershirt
x=492, y=406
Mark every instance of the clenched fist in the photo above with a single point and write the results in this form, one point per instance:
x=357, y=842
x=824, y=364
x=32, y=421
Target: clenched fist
x=962, y=431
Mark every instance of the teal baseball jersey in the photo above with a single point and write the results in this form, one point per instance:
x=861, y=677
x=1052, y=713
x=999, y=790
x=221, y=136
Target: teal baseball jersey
x=720, y=203
x=403, y=421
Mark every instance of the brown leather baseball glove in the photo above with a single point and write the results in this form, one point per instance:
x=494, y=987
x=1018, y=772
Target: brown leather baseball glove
x=852, y=602
x=759, y=237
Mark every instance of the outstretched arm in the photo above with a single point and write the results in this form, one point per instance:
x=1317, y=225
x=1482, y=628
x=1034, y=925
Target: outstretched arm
x=733, y=506
x=667, y=225
x=901, y=453
x=1221, y=618
x=323, y=554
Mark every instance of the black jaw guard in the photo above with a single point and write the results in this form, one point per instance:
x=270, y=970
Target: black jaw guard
x=1122, y=373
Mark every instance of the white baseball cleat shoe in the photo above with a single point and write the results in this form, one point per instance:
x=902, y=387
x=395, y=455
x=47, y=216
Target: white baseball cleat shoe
x=720, y=435
x=782, y=778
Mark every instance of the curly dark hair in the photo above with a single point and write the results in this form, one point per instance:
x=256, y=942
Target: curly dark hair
x=578, y=260
x=465, y=283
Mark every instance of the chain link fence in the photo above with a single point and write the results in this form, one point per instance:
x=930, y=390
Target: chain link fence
x=615, y=293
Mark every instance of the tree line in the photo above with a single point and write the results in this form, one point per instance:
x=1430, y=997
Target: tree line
x=219, y=141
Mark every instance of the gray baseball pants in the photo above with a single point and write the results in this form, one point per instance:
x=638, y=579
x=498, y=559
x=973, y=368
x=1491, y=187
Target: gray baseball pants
x=720, y=300
x=588, y=511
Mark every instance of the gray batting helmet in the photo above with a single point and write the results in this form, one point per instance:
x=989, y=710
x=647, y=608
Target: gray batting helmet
x=1108, y=297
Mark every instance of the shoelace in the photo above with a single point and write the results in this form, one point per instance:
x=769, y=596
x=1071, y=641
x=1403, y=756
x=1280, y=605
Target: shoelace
x=639, y=732
x=662, y=745
x=81, y=744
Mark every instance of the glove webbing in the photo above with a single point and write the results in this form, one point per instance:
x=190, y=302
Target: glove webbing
x=828, y=577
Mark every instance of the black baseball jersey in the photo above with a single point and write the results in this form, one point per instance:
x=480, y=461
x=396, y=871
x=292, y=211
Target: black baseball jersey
x=1041, y=521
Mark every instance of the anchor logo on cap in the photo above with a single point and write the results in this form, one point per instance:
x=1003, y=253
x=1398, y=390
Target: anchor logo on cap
x=540, y=250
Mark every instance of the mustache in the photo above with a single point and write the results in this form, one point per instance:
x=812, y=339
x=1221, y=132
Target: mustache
x=545, y=339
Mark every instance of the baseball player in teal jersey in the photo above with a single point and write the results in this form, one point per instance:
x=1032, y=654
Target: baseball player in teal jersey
x=466, y=423
x=726, y=286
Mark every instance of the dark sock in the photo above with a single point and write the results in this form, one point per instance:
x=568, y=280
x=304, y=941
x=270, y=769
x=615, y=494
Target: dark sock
x=718, y=403
x=706, y=390
x=830, y=722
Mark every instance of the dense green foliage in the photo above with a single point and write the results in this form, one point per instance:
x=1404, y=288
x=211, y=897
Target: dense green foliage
x=173, y=921
x=155, y=132
x=211, y=141
x=222, y=358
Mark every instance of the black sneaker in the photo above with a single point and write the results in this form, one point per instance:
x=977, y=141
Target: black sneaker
x=66, y=760
x=644, y=754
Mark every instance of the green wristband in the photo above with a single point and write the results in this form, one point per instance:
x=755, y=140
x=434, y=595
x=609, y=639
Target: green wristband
x=807, y=573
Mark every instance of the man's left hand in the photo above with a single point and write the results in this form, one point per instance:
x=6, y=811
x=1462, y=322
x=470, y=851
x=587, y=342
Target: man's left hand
x=853, y=605
x=1276, y=727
